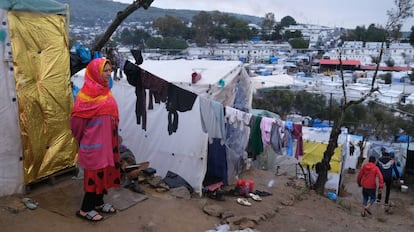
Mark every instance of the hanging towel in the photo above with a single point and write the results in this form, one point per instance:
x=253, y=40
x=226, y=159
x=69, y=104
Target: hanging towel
x=297, y=134
x=266, y=127
x=212, y=119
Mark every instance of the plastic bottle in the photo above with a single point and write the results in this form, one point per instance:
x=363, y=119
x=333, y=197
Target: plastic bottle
x=332, y=196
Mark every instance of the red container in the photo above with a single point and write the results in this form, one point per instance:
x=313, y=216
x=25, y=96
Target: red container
x=249, y=183
x=240, y=183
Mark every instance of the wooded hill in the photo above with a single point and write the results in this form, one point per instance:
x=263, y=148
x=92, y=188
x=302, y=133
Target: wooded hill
x=95, y=12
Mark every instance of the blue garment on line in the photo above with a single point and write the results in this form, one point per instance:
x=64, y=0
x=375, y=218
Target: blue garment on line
x=289, y=127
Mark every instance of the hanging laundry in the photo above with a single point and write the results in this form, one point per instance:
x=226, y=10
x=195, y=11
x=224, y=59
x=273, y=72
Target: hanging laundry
x=289, y=128
x=275, y=138
x=142, y=80
x=266, y=127
x=297, y=134
x=178, y=100
x=212, y=119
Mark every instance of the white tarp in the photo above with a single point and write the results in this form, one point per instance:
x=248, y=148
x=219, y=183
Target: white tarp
x=263, y=82
x=389, y=96
x=11, y=166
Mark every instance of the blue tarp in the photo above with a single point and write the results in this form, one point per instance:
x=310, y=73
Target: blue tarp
x=319, y=123
x=404, y=139
x=45, y=6
x=273, y=59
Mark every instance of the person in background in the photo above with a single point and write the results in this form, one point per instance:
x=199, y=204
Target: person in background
x=94, y=124
x=367, y=179
x=387, y=165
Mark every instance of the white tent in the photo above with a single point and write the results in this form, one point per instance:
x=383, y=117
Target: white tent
x=185, y=151
x=390, y=96
x=263, y=82
x=410, y=99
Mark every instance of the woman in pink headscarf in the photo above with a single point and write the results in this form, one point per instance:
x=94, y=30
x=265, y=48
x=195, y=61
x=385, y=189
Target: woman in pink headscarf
x=94, y=123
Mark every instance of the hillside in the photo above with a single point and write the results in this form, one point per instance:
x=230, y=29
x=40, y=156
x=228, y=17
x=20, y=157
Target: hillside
x=105, y=11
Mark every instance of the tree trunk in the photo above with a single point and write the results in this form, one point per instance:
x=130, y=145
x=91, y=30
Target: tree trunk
x=121, y=16
x=324, y=166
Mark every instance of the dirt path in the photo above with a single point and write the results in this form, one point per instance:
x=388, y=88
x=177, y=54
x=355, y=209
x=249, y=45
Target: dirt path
x=291, y=207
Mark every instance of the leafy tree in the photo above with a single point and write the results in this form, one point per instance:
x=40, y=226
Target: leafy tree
x=390, y=62
x=299, y=43
x=314, y=105
x=375, y=34
x=358, y=34
x=292, y=34
x=375, y=59
x=412, y=36
x=278, y=101
x=134, y=38
x=396, y=33
x=169, y=26
x=166, y=43
x=202, y=25
x=276, y=34
x=287, y=21
x=267, y=25
x=412, y=75
x=387, y=77
x=238, y=30
x=371, y=34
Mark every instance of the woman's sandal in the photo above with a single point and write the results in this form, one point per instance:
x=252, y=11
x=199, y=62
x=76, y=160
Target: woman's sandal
x=106, y=208
x=255, y=197
x=90, y=216
x=243, y=201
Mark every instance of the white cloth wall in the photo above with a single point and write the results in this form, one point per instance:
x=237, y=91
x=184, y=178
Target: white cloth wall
x=11, y=166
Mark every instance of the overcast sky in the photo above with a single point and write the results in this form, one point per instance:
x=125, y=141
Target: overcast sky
x=340, y=13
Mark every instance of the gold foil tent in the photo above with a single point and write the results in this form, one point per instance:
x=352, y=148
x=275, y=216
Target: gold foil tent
x=35, y=93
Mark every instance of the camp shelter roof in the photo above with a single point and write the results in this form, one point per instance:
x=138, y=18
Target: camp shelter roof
x=48, y=6
x=337, y=62
x=271, y=81
x=212, y=71
x=218, y=78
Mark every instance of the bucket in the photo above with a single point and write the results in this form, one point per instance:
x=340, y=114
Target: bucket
x=404, y=188
x=251, y=185
x=247, y=183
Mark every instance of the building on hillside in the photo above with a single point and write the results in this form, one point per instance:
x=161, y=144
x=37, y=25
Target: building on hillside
x=402, y=54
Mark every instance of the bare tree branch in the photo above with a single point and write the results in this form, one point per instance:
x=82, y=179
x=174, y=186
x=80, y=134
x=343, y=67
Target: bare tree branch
x=395, y=18
x=121, y=16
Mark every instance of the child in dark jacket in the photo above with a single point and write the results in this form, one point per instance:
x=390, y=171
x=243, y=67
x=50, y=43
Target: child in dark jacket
x=367, y=179
x=387, y=165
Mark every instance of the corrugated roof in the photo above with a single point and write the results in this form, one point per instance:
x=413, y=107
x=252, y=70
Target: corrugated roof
x=336, y=62
x=385, y=68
